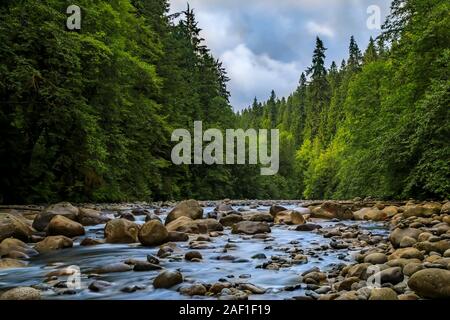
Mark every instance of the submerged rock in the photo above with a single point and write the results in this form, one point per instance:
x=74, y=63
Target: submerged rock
x=167, y=279
x=99, y=285
x=113, y=267
x=250, y=227
x=308, y=227
x=189, y=256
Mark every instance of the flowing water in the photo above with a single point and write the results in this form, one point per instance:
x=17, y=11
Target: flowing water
x=209, y=270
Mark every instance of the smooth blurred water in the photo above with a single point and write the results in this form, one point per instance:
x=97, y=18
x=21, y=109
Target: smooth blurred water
x=209, y=270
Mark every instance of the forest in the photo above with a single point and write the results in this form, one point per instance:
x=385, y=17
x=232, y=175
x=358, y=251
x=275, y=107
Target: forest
x=87, y=116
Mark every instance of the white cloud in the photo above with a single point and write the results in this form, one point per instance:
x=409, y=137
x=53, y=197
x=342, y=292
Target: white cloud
x=256, y=75
x=315, y=28
x=263, y=43
x=217, y=30
x=289, y=4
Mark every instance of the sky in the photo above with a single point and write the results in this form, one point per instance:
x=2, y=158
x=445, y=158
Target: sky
x=266, y=44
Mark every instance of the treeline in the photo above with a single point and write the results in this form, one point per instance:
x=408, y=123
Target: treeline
x=376, y=125
x=87, y=115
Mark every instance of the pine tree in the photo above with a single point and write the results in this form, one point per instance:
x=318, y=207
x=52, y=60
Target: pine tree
x=370, y=54
x=355, y=56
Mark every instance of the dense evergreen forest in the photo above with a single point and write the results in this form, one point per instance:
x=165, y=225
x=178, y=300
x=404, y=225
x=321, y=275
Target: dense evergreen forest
x=87, y=115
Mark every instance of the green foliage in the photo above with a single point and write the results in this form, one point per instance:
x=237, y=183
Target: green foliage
x=378, y=126
x=87, y=115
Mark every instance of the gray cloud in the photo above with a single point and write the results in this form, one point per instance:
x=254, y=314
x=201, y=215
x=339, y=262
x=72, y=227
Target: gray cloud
x=266, y=44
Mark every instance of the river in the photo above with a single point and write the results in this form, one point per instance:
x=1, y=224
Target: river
x=209, y=270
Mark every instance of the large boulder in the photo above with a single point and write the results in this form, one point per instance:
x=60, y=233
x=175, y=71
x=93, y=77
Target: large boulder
x=53, y=243
x=167, y=279
x=373, y=214
x=10, y=245
x=187, y=208
x=383, y=294
x=425, y=210
x=21, y=293
x=398, y=234
x=187, y=225
x=250, y=227
x=90, y=217
x=153, y=233
x=13, y=226
x=390, y=211
x=60, y=225
x=338, y=210
x=121, y=231
x=64, y=209
x=289, y=217
x=320, y=213
x=331, y=210
x=183, y=224
x=431, y=283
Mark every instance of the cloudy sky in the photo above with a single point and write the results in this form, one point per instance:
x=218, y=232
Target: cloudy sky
x=266, y=44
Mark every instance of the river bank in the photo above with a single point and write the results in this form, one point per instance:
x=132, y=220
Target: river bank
x=230, y=249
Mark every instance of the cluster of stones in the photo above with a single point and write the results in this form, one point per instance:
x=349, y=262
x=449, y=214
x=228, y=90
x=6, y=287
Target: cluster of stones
x=412, y=263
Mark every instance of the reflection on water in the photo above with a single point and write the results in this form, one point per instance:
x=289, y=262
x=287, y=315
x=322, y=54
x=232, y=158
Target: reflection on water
x=209, y=270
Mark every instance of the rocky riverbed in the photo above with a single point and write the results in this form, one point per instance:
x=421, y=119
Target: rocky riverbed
x=325, y=250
